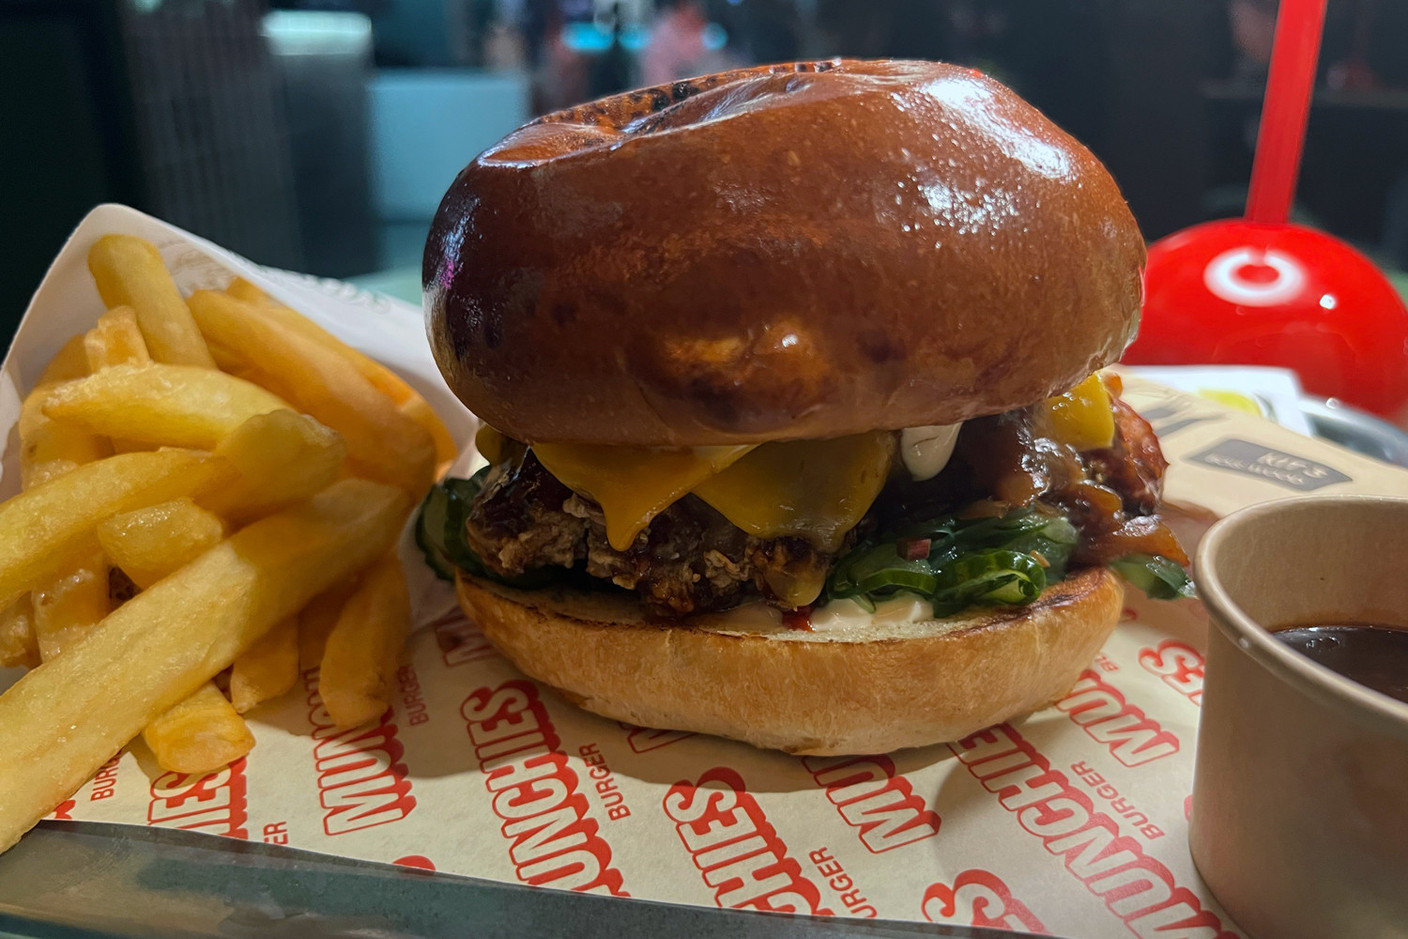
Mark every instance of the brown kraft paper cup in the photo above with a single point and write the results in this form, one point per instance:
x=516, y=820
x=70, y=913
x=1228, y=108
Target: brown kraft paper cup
x=1299, y=822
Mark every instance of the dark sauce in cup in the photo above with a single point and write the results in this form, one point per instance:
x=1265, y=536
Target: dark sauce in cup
x=1375, y=656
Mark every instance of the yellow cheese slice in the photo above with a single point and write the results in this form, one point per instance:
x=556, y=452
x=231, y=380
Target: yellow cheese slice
x=816, y=488
x=1083, y=417
x=632, y=484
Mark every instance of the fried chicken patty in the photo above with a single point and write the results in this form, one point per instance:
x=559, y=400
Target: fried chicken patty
x=692, y=559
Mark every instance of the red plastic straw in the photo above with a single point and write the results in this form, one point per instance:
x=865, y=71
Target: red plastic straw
x=1285, y=110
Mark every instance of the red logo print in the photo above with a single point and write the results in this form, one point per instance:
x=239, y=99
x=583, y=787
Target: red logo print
x=978, y=898
x=551, y=839
x=361, y=780
x=1102, y=712
x=870, y=796
x=737, y=851
x=214, y=803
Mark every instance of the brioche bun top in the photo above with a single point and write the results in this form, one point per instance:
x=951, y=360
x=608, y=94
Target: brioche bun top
x=789, y=251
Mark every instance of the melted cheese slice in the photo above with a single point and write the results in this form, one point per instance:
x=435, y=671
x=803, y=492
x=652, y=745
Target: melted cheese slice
x=1083, y=417
x=817, y=488
x=633, y=484
x=814, y=488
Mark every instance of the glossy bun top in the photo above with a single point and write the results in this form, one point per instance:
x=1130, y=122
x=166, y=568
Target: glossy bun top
x=801, y=250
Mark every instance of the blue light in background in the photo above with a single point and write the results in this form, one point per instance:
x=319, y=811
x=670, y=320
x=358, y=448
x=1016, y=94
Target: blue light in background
x=589, y=38
x=714, y=37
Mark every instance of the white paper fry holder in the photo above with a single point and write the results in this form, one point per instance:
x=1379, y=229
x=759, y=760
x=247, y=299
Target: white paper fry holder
x=1072, y=821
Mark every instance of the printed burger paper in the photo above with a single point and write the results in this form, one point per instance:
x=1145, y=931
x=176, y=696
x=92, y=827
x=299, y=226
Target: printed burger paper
x=1071, y=821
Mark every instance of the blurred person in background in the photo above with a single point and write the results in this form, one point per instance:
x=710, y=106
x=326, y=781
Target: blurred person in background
x=559, y=71
x=682, y=45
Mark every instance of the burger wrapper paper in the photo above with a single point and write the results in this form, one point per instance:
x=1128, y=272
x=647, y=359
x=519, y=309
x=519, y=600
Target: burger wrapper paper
x=1070, y=821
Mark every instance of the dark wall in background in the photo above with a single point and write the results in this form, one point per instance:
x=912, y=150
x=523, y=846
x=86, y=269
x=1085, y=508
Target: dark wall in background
x=68, y=141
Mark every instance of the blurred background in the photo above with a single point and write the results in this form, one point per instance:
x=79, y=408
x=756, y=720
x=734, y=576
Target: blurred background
x=318, y=135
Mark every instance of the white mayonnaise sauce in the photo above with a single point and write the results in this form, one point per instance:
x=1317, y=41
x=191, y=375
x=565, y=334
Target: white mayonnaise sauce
x=847, y=613
x=926, y=450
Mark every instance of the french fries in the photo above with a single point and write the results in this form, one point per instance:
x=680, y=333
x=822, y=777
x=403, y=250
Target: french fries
x=130, y=272
x=18, y=647
x=45, y=530
x=151, y=542
x=363, y=649
x=419, y=410
x=116, y=340
x=242, y=289
x=316, y=622
x=199, y=734
x=70, y=362
x=281, y=457
x=63, y=720
x=122, y=587
x=50, y=448
x=163, y=405
x=382, y=443
x=382, y=378
x=202, y=733
x=268, y=668
x=70, y=605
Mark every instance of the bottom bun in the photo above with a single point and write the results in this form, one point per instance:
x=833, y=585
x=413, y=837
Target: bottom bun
x=868, y=689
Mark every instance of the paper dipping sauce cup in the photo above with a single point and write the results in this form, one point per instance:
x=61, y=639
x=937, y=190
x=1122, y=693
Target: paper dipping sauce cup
x=1299, y=821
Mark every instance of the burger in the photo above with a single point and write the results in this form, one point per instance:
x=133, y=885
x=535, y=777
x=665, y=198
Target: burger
x=792, y=403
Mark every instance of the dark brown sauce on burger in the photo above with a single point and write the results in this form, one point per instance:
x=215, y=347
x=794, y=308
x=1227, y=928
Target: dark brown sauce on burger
x=1375, y=656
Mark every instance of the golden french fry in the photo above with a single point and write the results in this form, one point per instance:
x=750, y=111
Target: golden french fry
x=359, y=662
x=383, y=379
x=199, y=735
x=130, y=272
x=317, y=619
x=166, y=405
x=18, y=647
x=419, y=410
x=50, y=448
x=242, y=289
x=116, y=340
x=70, y=362
x=70, y=605
x=281, y=457
x=61, y=721
x=382, y=443
x=201, y=732
x=266, y=669
x=48, y=528
x=151, y=542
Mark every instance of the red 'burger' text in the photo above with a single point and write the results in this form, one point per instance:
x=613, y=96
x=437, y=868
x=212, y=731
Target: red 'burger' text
x=535, y=792
x=1117, y=802
x=735, y=848
x=1133, y=886
x=841, y=882
x=105, y=780
x=606, y=788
